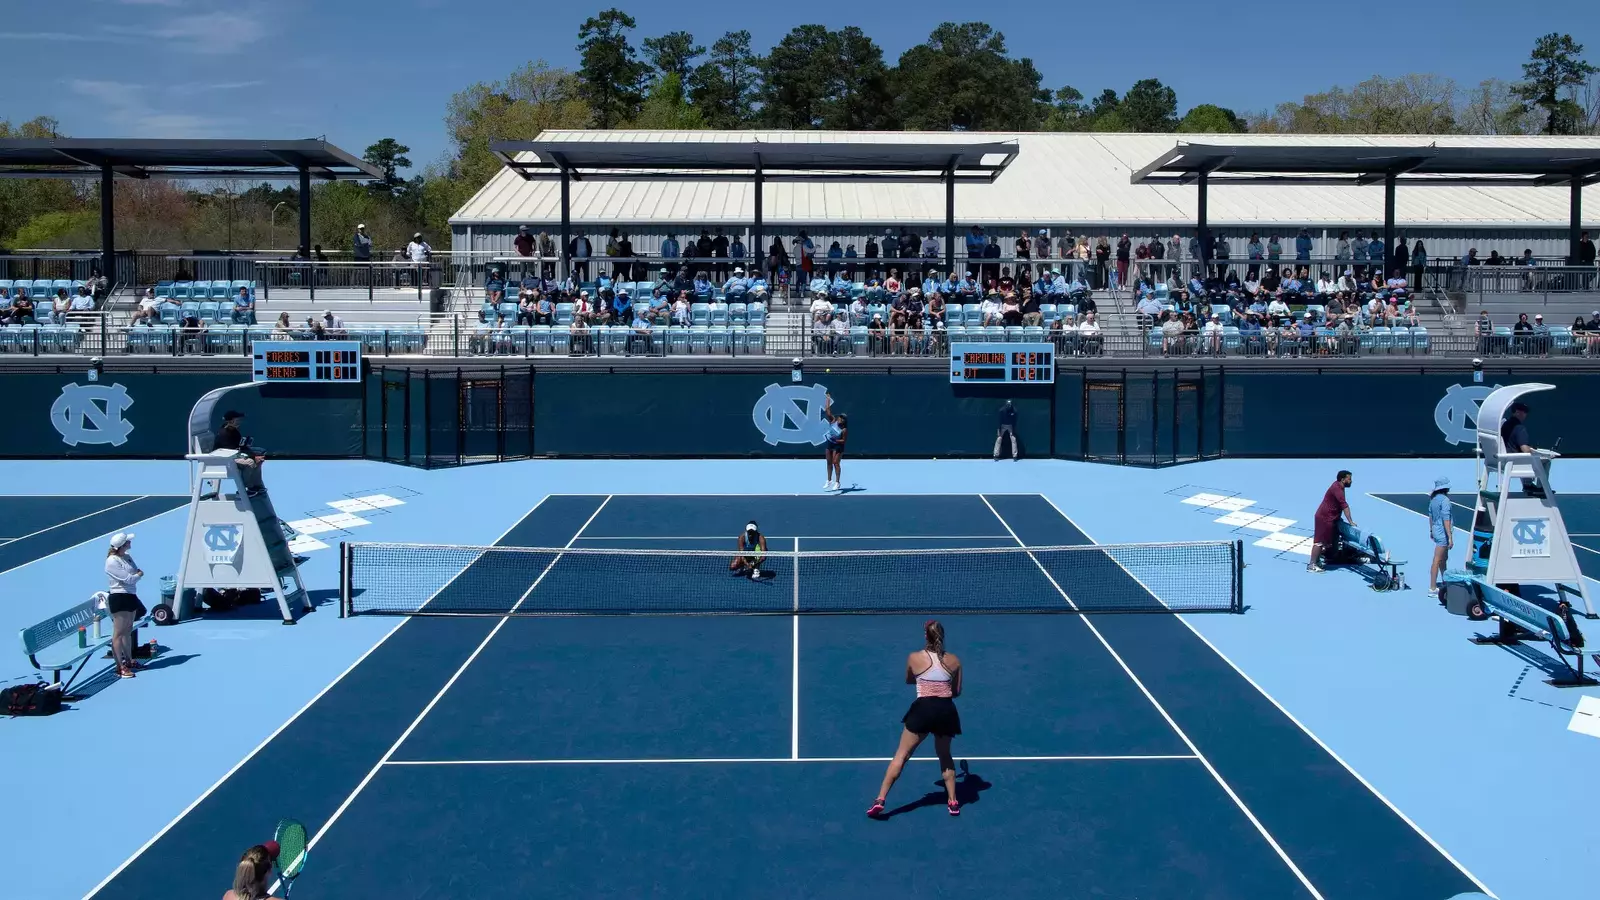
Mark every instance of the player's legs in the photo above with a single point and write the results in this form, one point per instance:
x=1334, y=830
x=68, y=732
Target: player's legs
x=908, y=745
x=947, y=764
x=1441, y=555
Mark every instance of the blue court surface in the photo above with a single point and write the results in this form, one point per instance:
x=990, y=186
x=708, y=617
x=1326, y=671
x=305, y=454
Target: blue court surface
x=1329, y=742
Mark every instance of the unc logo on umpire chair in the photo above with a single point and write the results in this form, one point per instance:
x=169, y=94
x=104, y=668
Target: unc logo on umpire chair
x=791, y=414
x=223, y=544
x=92, y=414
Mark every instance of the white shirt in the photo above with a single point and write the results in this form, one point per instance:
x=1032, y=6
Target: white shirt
x=1324, y=286
x=840, y=329
x=1277, y=307
x=1212, y=328
x=82, y=302
x=1089, y=327
x=148, y=301
x=821, y=305
x=990, y=307
x=334, y=322
x=123, y=574
x=419, y=251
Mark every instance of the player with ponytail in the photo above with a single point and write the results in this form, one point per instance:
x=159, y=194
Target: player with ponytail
x=937, y=675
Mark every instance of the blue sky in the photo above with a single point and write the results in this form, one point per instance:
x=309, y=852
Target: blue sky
x=358, y=71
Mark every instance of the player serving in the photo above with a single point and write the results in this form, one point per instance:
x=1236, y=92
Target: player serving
x=833, y=450
x=752, y=547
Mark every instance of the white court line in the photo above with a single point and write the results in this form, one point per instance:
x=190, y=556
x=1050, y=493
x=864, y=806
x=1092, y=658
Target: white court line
x=80, y=518
x=102, y=534
x=774, y=759
x=448, y=684
x=269, y=738
x=1195, y=749
x=1308, y=732
x=794, y=699
x=808, y=537
x=660, y=496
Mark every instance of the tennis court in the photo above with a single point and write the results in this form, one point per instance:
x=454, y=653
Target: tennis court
x=734, y=755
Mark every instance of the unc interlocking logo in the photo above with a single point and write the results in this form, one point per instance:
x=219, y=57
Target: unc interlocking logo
x=1532, y=537
x=92, y=414
x=1456, y=414
x=222, y=544
x=791, y=414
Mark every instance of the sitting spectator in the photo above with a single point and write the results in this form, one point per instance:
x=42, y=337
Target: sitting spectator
x=1522, y=333
x=1540, y=343
x=1211, y=336
x=1149, y=308
x=858, y=311
x=1089, y=334
x=1307, y=330
x=149, y=300
x=899, y=332
x=22, y=312
x=1250, y=334
x=735, y=289
x=1277, y=307
x=1590, y=331
x=1010, y=310
x=582, y=308
x=839, y=288
x=841, y=335
x=582, y=340
x=244, y=308
x=891, y=285
x=702, y=287
x=991, y=309
x=526, y=308
x=680, y=310
x=820, y=306
x=1031, y=315
x=639, y=340
x=1336, y=306
x=544, y=310
x=83, y=302
x=967, y=289
x=930, y=247
x=621, y=307
x=1172, y=339
x=1326, y=284
x=822, y=333
x=1257, y=307
x=332, y=326
x=494, y=287
x=913, y=303
x=936, y=312
x=1408, y=317
x=1397, y=282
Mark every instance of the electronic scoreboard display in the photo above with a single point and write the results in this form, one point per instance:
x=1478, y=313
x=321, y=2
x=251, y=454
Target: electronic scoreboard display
x=306, y=362
x=1002, y=363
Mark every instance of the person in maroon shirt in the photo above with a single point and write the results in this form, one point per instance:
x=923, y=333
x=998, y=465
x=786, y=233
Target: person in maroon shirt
x=1326, y=523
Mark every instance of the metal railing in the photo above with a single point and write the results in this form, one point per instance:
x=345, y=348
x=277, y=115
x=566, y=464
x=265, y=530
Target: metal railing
x=345, y=280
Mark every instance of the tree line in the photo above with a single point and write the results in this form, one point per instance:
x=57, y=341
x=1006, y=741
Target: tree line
x=962, y=78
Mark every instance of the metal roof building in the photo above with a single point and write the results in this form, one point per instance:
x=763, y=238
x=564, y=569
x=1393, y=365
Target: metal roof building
x=1073, y=181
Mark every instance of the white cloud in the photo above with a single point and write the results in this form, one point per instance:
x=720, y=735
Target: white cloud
x=58, y=36
x=212, y=32
x=126, y=111
x=208, y=87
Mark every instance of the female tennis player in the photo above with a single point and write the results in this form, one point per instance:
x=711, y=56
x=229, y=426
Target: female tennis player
x=833, y=450
x=254, y=873
x=937, y=675
x=752, y=547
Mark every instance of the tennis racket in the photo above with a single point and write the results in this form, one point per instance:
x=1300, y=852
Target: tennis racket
x=292, y=850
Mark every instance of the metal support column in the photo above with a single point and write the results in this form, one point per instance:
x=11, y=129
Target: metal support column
x=950, y=218
x=566, y=228
x=758, y=246
x=1204, y=232
x=305, y=212
x=1388, y=225
x=1575, y=220
x=108, y=230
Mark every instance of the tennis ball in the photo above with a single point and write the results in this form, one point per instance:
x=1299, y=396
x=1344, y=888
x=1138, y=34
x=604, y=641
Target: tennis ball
x=827, y=371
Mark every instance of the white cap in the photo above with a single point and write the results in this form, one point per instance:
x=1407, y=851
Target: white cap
x=361, y=226
x=751, y=526
x=120, y=539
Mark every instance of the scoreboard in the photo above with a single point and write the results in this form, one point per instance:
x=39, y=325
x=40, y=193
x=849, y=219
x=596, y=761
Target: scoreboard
x=1002, y=363
x=306, y=362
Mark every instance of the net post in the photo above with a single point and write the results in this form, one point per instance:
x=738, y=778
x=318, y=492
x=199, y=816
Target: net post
x=1238, y=576
x=344, y=580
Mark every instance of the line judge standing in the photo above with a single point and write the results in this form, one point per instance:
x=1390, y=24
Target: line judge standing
x=122, y=601
x=1007, y=428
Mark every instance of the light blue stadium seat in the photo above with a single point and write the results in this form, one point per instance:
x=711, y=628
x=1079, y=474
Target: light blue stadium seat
x=699, y=314
x=211, y=311
x=164, y=288
x=1419, y=339
x=1013, y=333
x=251, y=285
x=62, y=284
x=42, y=287
x=877, y=309
x=5, y=285
x=956, y=333
x=1033, y=333
x=508, y=311
x=564, y=313
x=1231, y=341
x=536, y=338
x=1382, y=339
x=718, y=339
x=677, y=340
x=1153, y=339
x=617, y=339
x=1561, y=339
x=1048, y=312
x=994, y=333
x=755, y=314
x=169, y=314
x=699, y=339
x=737, y=313
x=43, y=315
x=77, y=283
x=1161, y=292
x=755, y=340
x=719, y=315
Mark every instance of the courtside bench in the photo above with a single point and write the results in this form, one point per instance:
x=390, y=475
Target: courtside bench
x=72, y=638
x=1522, y=620
x=1353, y=547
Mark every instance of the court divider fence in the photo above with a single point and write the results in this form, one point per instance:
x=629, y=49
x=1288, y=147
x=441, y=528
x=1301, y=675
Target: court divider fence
x=1152, y=413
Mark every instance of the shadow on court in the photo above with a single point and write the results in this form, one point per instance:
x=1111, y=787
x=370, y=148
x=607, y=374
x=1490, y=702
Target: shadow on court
x=968, y=789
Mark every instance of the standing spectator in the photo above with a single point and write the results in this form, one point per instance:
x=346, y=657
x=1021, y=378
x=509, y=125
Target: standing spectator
x=1274, y=251
x=1441, y=529
x=1124, y=254
x=736, y=251
x=1223, y=253
x=1375, y=254
x=418, y=251
x=1158, y=253
x=891, y=245
x=670, y=252
x=1358, y=256
x=1302, y=246
x=1326, y=521
x=1402, y=257
x=1341, y=249
x=991, y=271
x=123, y=600
x=1007, y=428
x=777, y=257
x=1021, y=249
x=1586, y=258
x=930, y=247
x=524, y=241
x=1484, y=329
x=1175, y=250
x=579, y=249
x=805, y=250
x=361, y=245
x=1041, y=244
x=547, y=253
x=1419, y=262
x=719, y=252
x=910, y=245
x=625, y=267
x=976, y=243
x=1255, y=251
x=1065, y=245
x=1102, y=262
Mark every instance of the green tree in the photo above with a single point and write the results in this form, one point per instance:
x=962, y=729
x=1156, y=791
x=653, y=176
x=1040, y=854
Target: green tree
x=723, y=88
x=1551, y=78
x=1208, y=118
x=611, y=72
x=665, y=108
x=673, y=53
x=1149, y=106
x=859, y=97
x=24, y=198
x=1067, y=111
x=1409, y=104
x=796, y=78
x=963, y=78
x=388, y=155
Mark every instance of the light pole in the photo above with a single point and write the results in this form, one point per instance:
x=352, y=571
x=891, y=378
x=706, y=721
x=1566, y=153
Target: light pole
x=272, y=229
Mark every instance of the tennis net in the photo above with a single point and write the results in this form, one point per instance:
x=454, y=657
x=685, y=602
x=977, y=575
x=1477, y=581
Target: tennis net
x=413, y=579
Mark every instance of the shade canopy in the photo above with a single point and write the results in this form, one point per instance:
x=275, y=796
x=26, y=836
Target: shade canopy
x=1371, y=163
x=189, y=159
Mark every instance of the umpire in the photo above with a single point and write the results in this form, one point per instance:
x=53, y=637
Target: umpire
x=1008, y=428
x=229, y=437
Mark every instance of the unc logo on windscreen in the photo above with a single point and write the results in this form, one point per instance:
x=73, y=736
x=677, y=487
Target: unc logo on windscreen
x=791, y=414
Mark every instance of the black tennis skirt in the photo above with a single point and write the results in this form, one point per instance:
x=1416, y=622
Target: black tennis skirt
x=933, y=715
x=121, y=603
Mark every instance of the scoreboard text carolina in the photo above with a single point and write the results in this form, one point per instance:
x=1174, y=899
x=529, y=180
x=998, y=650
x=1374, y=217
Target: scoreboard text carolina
x=1002, y=364
x=306, y=362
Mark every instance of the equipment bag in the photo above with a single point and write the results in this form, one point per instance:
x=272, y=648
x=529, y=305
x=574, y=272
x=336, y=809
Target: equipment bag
x=37, y=699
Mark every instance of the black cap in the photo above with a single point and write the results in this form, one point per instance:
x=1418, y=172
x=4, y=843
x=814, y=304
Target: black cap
x=232, y=414
x=1518, y=406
